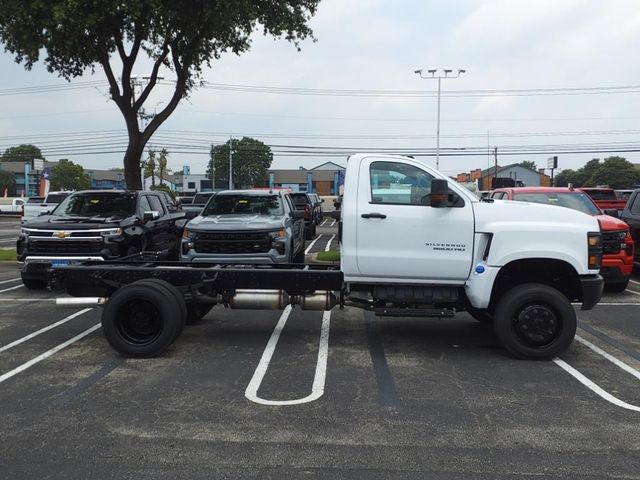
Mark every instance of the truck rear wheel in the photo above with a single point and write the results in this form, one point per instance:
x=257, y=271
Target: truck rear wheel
x=534, y=321
x=33, y=283
x=141, y=320
x=617, y=287
x=175, y=294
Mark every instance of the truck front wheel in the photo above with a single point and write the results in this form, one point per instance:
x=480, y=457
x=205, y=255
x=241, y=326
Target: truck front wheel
x=141, y=320
x=534, y=321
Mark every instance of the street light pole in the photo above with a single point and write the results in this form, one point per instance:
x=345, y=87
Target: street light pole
x=230, y=163
x=433, y=73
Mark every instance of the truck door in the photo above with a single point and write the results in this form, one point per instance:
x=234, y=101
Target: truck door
x=399, y=236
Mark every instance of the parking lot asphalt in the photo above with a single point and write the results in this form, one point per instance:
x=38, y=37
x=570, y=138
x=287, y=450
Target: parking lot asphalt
x=9, y=227
x=335, y=395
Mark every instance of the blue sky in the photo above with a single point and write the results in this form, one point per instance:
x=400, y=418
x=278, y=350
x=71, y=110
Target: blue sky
x=376, y=45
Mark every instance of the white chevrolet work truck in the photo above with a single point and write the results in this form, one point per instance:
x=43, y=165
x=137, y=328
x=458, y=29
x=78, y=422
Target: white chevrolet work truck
x=413, y=244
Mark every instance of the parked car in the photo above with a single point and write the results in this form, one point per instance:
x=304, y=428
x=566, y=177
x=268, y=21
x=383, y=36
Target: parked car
x=604, y=198
x=617, y=243
x=623, y=194
x=10, y=205
x=303, y=202
x=631, y=215
x=194, y=208
x=246, y=226
x=50, y=201
x=97, y=225
x=318, y=212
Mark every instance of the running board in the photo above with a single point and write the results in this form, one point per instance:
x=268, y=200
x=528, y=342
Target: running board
x=413, y=312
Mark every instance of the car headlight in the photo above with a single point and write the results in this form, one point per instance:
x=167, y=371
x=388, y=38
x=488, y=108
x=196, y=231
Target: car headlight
x=111, y=232
x=278, y=234
x=186, y=234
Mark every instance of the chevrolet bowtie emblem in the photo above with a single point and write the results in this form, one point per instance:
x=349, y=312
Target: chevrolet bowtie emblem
x=62, y=234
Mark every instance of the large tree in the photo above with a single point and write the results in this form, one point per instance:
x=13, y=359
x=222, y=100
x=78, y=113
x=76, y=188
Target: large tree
x=8, y=181
x=616, y=172
x=251, y=159
x=66, y=175
x=531, y=165
x=182, y=36
x=21, y=153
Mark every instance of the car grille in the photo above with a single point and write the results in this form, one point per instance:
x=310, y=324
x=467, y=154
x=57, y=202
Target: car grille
x=72, y=234
x=610, y=242
x=232, y=242
x=63, y=247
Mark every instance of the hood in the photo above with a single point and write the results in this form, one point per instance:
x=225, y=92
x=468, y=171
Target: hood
x=57, y=222
x=610, y=223
x=236, y=222
x=525, y=215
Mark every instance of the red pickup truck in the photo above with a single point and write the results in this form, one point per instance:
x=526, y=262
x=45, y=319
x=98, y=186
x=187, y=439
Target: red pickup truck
x=604, y=198
x=617, y=243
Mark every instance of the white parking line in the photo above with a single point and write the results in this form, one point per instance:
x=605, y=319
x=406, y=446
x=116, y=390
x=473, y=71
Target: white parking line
x=312, y=244
x=324, y=221
x=11, y=288
x=618, y=363
x=631, y=291
x=47, y=354
x=594, y=387
x=333, y=223
x=317, y=390
x=633, y=281
x=42, y=330
x=10, y=280
x=328, y=247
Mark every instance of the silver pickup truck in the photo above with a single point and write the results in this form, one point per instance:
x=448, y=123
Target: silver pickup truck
x=246, y=226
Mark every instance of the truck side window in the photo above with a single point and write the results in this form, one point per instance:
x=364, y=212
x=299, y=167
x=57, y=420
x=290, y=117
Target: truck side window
x=399, y=184
x=156, y=204
x=145, y=206
x=635, y=207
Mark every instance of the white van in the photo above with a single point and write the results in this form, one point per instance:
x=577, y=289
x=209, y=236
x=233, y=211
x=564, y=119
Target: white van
x=11, y=205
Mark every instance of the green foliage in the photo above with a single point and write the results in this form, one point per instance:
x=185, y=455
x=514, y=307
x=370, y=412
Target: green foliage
x=530, y=165
x=330, y=256
x=21, y=153
x=162, y=164
x=182, y=36
x=164, y=188
x=8, y=255
x=150, y=166
x=8, y=181
x=616, y=172
x=67, y=175
x=251, y=161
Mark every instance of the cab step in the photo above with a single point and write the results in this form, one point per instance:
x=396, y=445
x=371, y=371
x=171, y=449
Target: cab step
x=413, y=312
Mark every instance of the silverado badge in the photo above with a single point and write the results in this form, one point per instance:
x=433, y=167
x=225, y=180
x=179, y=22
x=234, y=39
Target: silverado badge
x=62, y=234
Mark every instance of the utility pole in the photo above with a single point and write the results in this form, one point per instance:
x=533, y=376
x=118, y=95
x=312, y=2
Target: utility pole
x=495, y=163
x=231, y=163
x=432, y=72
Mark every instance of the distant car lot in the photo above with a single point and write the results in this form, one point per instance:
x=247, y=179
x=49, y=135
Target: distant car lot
x=345, y=395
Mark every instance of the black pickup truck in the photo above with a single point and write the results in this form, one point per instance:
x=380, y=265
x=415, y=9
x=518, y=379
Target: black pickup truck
x=98, y=225
x=631, y=215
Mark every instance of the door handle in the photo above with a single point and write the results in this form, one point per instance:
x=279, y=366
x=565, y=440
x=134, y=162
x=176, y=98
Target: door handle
x=373, y=215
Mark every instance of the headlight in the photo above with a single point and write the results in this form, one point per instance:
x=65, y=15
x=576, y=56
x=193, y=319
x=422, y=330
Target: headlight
x=111, y=232
x=282, y=233
x=186, y=234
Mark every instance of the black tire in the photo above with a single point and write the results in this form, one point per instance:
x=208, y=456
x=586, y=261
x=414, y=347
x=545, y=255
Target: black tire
x=177, y=296
x=481, y=315
x=196, y=311
x=534, y=321
x=141, y=320
x=299, y=257
x=617, y=287
x=308, y=234
x=132, y=251
x=34, y=283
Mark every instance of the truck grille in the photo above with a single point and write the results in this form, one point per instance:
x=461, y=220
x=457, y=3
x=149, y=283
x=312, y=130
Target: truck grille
x=61, y=247
x=232, y=242
x=610, y=243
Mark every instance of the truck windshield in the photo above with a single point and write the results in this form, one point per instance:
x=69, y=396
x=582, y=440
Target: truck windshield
x=97, y=204
x=602, y=194
x=201, y=198
x=244, y=205
x=56, y=197
x=575, y=201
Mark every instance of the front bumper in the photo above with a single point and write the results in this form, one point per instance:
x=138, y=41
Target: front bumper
x=37, y=267
x=616, y=268
x=592, y=287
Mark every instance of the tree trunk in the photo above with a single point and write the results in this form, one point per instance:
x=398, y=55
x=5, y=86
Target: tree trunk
x=132, y=156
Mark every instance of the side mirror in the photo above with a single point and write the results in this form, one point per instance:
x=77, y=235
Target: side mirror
x=151, y=215
x=297, y=214
x=439, y=193
x=612, y=212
